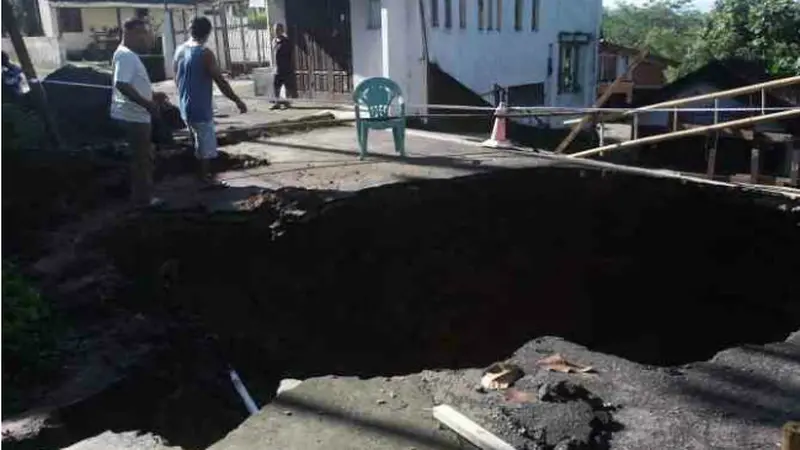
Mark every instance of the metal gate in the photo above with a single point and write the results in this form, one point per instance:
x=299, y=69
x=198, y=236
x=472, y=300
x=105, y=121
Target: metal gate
x=323, y=60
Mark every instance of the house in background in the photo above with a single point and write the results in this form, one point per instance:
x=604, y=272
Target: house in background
x=89, y=29
x=648, y=75
x=544, y=51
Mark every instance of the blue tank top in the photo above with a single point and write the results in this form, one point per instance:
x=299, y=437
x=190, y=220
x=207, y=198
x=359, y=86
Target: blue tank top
x=194, y=84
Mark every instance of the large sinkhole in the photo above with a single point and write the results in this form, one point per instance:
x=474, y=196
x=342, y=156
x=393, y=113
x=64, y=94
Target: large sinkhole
x=461, y=272
x=453, y=274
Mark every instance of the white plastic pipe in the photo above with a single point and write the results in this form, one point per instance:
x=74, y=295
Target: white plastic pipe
x=251, y=406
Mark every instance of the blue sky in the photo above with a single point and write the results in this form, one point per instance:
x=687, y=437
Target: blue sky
x=703, y=5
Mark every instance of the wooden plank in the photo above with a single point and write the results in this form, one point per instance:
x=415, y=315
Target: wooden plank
x=600, y=102
x=684, y=133
x=469, y=430
x=791, y=436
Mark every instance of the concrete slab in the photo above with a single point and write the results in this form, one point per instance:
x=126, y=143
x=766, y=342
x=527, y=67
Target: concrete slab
x=328, y=159
x=334, y=412
x=738, y=399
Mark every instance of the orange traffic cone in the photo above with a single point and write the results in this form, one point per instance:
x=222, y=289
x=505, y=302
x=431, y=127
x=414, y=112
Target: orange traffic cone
x=498, y=138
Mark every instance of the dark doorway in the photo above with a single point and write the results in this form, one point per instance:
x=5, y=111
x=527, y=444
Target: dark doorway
x=323, y=53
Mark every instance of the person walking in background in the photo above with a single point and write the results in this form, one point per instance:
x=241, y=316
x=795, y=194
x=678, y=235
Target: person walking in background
x=133, y=108
x=284, y=76
x=195, y=69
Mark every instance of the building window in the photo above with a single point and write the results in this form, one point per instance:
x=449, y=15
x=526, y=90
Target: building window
x=481, y=14
x=534, y=15
x=374, y=15
x=462, y=13
x=569, y=68
x=70, y=20
x=448, y=14
x=608, y=68
x=435, y=13
x=518, y=5
x=490, y=15
x=499, y=15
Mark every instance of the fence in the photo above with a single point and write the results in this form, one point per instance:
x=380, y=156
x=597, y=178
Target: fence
x=241, y=37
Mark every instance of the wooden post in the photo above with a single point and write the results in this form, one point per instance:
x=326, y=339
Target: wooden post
x=712, y=157
x=600, y=102
x=37, y=91
x=755, y=162
x=794, y=163
x=241, y=33
x=791, y=436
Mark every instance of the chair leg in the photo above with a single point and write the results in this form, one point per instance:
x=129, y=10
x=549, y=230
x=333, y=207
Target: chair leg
x=362, y=140
x=399, y=140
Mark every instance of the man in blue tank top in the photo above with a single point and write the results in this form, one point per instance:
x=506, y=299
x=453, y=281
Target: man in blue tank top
x=195, y=70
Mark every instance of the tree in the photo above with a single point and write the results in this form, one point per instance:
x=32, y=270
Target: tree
x=766, y=29
x=669, y=28
x=27, y=15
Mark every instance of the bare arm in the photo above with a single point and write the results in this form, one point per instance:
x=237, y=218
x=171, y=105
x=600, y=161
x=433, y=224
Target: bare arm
x=221, y=82
x=133, y=95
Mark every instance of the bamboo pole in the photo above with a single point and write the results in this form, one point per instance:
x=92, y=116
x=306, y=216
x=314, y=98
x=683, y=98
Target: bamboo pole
x=699, y=98
x=689, y=132
x=600, y=101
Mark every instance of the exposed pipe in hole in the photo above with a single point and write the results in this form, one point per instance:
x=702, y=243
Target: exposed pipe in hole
x=251, y=406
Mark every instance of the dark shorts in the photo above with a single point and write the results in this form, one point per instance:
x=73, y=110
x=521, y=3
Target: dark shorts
x=288, y=80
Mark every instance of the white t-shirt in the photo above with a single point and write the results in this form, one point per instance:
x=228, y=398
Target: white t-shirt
x=128, y=68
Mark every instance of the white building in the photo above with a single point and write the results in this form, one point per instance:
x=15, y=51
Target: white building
x=548, y=44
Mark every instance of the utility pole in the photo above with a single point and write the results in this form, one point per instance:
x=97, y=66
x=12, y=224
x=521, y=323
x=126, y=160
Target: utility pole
x=37, y=91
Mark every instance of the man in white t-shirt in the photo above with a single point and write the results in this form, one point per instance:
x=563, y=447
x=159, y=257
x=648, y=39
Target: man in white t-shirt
x=133, y=107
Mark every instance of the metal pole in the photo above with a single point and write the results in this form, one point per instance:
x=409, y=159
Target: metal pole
x=37, y=91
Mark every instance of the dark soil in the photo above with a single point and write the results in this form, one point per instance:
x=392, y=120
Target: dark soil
x=439, y=274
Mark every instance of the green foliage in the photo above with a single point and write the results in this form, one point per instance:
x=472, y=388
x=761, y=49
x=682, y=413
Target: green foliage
x=767, y=29
x=28, y=332
x=669, y=28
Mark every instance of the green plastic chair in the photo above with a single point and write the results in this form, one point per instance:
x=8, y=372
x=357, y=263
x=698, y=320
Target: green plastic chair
x=377, y=96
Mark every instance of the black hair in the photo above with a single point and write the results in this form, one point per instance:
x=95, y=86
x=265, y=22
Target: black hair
x=200, y=28
x=6, y=58
x=133, y=23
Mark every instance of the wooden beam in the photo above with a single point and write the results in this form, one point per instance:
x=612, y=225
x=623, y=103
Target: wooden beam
x=600, y=102
x=684, y=133
x=37, y=91
x=469, y=430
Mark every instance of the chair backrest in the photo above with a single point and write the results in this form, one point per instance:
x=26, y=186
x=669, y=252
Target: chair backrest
x=377, y=95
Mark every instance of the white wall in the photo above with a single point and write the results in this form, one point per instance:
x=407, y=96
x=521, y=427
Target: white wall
x=367, y=56
x=406, y=66
x=481, y=58
x=45, y=52
x=662, y=118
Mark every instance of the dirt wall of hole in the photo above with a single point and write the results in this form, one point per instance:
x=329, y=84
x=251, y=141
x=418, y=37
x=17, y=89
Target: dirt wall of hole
x=461, y=272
